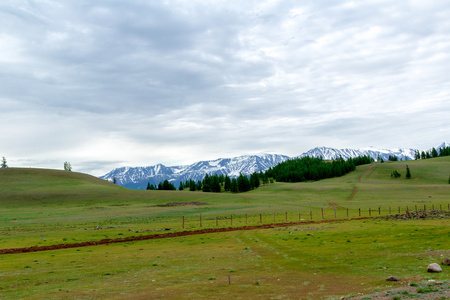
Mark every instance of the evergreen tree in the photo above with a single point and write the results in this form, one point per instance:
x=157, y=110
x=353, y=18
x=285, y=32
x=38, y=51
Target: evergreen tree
x=215, y=184
x=423, y=155
x=395, y=174
x=206, y=183
x=434, y=152
x=181, y=187
x=227, y=185
x=148, y=186
x=408, y=173
x=243, y=183
x=234, y=186
x=192, y=185
x=4, y=165
x=416, y=155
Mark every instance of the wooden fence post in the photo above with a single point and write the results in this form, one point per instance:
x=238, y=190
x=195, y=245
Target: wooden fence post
x=433, y=207
x=183, y=222
x=274, y=217
x=231, y=220
x=299, y=219
x=347, y=212
x=246, y=219
x=370, y=212
x=286, y=217
x=200, y=220
x=399, y=209
x=322, y=213
x=379, y=210
x=335, y=211
x=359, y=211
x=260, y=218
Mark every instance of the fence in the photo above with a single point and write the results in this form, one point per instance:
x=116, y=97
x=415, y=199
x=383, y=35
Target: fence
x=208, y=221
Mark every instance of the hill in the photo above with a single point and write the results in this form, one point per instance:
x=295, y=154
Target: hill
x=334, y=259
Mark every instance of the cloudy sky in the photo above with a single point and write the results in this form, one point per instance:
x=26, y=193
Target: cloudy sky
x=104, y=84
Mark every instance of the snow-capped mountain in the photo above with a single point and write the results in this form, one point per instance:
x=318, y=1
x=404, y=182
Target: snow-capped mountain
x=332, y=153
x=138, y=177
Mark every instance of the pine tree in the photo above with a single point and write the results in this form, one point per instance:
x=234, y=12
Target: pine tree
x=227, y=185
x=4, y=165
x=181, y=187
x=148, y=186
x=234, y=186
x=408, y=173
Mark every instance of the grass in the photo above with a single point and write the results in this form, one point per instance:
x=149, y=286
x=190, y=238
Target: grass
x=43, y=207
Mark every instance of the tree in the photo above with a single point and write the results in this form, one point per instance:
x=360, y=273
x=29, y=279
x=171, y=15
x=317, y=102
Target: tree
x=434, y=152
x=395, y=174
x=227, y=185
x=181, y=187
x=67, y=166
x=148, y=185
x=234, y=186
x=4, y=165
x=408, y=173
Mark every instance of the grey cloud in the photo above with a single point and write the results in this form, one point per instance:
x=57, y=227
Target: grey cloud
x=138, y=82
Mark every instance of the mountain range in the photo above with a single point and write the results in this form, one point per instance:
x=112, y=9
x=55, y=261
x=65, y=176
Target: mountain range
x=139, y=177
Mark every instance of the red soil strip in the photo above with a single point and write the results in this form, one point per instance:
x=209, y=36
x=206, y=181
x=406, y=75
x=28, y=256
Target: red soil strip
x=164, y=235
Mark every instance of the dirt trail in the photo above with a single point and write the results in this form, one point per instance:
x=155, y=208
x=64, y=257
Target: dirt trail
x=365, y=172
x=164, y=235
x=355, y=188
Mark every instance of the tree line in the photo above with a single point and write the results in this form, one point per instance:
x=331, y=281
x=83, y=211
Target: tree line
x=214, y=183
x=293, y=170
x=432, y=153
x=315, y=168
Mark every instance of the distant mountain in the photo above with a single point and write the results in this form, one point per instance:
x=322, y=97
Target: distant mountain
x=332, y=153
x=138, y=177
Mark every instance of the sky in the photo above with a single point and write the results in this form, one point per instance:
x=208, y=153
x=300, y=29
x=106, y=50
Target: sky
x=105, y=84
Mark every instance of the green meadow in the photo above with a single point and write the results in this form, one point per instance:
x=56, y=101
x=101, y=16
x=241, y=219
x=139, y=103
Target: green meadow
x=303, y=261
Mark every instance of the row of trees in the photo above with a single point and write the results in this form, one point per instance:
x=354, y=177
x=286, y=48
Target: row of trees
x=311, y=168
x=215, y=183
x=432, y=153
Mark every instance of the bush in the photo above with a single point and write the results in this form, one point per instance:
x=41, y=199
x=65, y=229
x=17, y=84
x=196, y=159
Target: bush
x=395, y=174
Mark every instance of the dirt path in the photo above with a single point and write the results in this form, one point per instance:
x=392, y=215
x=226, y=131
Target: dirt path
x=365, y=172
x=355, y=187
x=164, y=235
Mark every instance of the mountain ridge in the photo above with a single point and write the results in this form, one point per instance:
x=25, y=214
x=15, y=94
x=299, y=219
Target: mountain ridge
x=139, y=177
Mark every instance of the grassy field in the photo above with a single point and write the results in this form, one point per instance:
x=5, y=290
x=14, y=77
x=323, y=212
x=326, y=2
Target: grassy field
x=44, y=207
